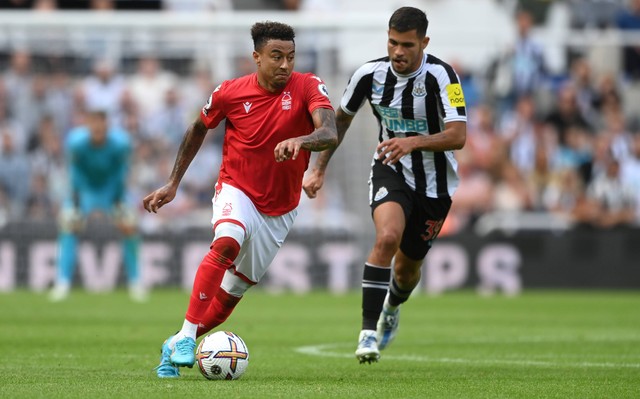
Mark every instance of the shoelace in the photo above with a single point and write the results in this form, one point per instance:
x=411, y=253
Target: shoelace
x=369, y=341
x=184, y=346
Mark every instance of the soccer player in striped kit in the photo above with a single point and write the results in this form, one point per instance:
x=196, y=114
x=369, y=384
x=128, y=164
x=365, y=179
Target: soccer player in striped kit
x=274, y=118
x=419, y=105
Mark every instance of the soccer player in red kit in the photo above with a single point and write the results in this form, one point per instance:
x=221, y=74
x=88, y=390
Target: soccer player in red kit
x=274, y=118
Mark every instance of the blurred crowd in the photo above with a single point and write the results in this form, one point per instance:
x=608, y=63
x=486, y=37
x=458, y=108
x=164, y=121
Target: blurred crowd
x=562, y=144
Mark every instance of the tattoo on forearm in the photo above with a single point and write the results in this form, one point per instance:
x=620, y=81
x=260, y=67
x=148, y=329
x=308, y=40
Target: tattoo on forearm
x=324, y=137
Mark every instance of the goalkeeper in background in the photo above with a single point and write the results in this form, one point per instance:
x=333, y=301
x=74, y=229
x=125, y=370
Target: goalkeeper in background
x=98, y=157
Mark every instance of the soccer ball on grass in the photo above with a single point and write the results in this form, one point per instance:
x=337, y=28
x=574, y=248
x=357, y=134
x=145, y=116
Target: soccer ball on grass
x=222, y=355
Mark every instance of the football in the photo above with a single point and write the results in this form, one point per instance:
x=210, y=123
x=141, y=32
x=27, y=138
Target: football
x=222, y=355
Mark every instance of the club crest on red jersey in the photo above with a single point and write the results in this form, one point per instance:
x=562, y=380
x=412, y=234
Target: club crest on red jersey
x=286, y=101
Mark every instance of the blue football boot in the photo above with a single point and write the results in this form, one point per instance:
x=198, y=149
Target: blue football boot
x=184, y=353
x=166, y=369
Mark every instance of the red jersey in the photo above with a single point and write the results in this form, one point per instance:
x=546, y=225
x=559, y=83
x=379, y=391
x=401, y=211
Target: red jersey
x=257, y=121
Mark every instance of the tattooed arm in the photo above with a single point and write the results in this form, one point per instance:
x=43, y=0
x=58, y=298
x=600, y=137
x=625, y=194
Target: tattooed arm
x=322, y=138
x=191, y=143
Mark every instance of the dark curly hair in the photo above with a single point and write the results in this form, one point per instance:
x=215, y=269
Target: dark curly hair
x=262, y=32
x=405, y=19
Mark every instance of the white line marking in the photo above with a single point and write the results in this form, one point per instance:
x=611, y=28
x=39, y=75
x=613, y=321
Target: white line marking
x=328, y=350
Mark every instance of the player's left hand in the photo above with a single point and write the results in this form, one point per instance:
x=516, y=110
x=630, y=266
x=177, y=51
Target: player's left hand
x=390, y=151
x=287, y=149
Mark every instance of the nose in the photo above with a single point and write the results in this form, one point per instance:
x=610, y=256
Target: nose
x=285, y=64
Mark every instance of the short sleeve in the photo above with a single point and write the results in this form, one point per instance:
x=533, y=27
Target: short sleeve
x=316, y=93
x=213, y=111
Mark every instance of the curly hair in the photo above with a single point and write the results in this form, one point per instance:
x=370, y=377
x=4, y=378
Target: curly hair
x=262, y=32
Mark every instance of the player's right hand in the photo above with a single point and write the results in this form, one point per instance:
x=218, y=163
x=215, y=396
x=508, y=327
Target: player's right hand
x=313, y=183
x=159, y=198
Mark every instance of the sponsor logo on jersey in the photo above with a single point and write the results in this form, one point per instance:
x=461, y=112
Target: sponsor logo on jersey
x=286, y=101
x=247, y=106
x=392, y=119
x=203, y=296
x=377, y=89
x=419, y=90
x=382, y=192
x=454, y=92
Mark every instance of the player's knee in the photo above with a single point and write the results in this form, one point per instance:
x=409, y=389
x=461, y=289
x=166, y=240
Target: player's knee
x=228, y=239
x=225, y=247
x=387, y=241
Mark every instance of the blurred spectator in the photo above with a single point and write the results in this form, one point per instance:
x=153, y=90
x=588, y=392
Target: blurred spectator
x=582, y=79
x=574, y=154
x=473, y=198
x=565, y=196
x=200, y=178
x=128, y=116
x=168, y=125
x=485, y=148
x=15, y=174
x=566, y=113
x=195, y=90
x=40, y=103
x=594, y=14
x=39, y=205
x=104, y=88
x=619, y=136
x=518, y=130
x=540, y=178
x=511, y=192
x=612, y=199
x=630, y=172
x=607, y=97
x=521, y=70
x=48, y=160
x=60, y=105
x=628, y=20
x=12, y=127
x=18, y=82
x=148, y=87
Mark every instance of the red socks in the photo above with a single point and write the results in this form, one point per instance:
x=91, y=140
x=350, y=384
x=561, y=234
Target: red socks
x=219, y=310
x=207, y=281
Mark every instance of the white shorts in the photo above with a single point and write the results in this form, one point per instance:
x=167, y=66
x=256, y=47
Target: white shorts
x=263, y=235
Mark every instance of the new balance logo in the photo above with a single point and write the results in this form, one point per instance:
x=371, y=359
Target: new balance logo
x=247, y=106
x=203, y=296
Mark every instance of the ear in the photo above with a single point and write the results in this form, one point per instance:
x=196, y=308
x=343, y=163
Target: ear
x=256, y=58
x=425, y=42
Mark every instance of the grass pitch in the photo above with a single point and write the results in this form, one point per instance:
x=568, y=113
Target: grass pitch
x=538, y=345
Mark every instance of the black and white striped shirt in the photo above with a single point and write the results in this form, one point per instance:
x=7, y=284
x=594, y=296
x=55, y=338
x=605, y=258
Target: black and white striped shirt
x=408, y=105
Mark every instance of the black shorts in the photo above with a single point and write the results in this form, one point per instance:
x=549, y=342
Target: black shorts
x=424, y=216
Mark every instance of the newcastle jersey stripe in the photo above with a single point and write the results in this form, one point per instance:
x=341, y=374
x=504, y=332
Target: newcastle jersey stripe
x=408, y=105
